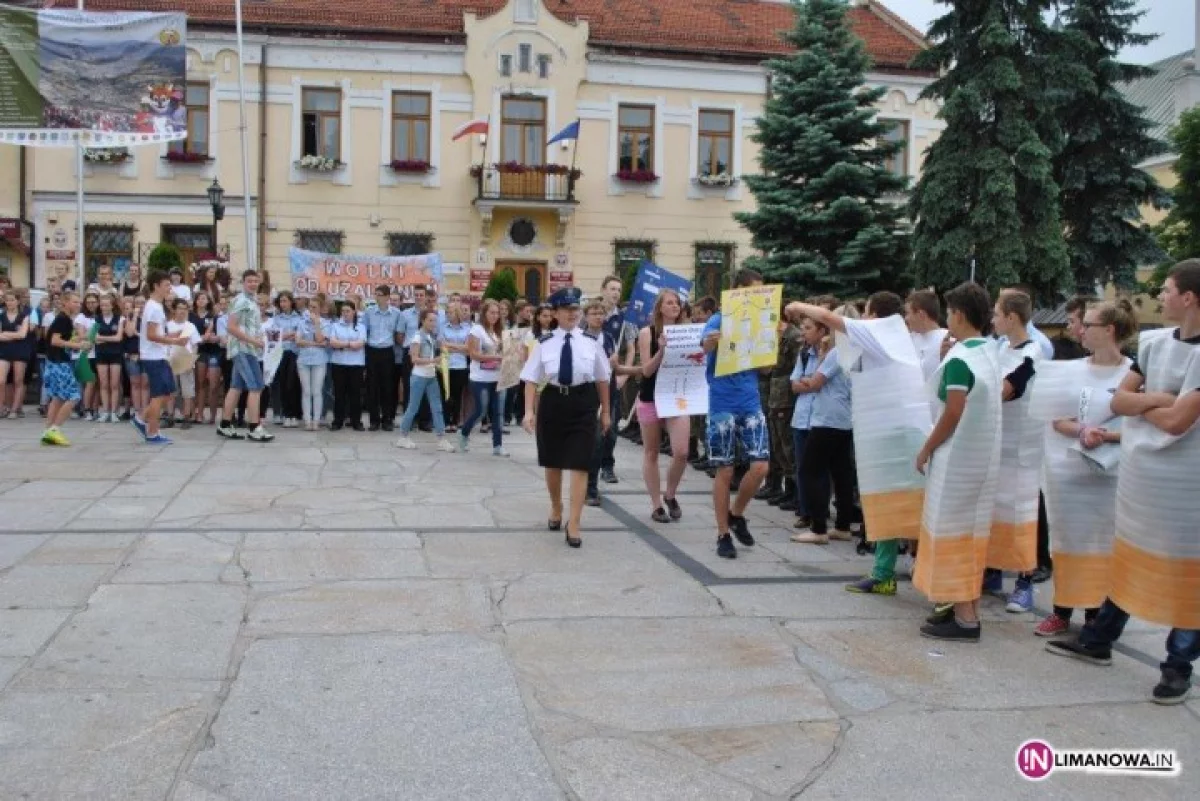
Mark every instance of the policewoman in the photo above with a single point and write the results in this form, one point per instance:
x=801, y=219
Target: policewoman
x=563, y=415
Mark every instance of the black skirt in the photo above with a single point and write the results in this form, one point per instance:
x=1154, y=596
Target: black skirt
x=566, y=427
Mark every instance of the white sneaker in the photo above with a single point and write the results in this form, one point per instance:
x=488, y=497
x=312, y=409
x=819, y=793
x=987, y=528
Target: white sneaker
x=260, y=434
x=406, y=443
x=289, y=422
x=907, y=565
x=499, y=451
x=446, y=446
x=463, y=445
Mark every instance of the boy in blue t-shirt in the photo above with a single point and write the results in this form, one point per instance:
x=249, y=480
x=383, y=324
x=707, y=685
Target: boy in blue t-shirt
x=734, y=415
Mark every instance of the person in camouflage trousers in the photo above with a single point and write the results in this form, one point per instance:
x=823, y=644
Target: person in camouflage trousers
x=779, y=401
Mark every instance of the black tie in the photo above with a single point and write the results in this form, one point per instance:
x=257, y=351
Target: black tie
x=566, y=365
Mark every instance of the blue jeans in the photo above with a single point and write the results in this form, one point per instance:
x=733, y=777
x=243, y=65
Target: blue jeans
x=1183, y=645
x=418, y=386
x=486, y=398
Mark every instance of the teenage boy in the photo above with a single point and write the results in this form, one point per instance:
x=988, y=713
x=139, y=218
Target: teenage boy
x=1156, y=562
x=154, y=354
x=58, y=377
x=245, y=351
x=383, y=326
x=594, y=316
x=624, y=340
x=185, y=381
x=734, y=416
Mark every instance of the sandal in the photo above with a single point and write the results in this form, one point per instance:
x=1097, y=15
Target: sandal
x=574, y=542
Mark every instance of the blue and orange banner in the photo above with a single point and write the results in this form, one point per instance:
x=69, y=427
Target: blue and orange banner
x=340, y=276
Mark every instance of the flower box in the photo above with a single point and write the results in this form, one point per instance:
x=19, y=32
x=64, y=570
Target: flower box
x=186, y=157
x=410, y=166
x=319, y=164
x=516, y=168
x=721, y=180
x=636, y=176
x=106, y=155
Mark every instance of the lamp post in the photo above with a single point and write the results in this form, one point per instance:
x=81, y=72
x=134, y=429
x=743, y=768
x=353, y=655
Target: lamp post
x=216, y=194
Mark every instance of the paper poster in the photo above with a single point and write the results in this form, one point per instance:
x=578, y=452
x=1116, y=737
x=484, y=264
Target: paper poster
x=749, y=318
x=682, y=388
x=649, y=282
x=101, y=78
x=272, y=356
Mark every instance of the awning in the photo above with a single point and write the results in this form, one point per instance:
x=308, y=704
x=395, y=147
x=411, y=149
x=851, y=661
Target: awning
x=17, y=233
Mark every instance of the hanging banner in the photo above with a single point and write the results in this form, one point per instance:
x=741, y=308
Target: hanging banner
x=340, y=276
x=749, y=318
x=681, y=389
x=105, y=79
x=650, y=280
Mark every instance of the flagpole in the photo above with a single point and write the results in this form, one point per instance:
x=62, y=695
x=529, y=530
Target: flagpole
x=251, y=242
x=79, y=255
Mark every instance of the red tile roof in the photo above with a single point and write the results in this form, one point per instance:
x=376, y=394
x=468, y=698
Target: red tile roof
x=733, y=28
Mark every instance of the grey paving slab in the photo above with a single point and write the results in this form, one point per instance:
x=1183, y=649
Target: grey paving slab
x=15, y=547
x=648, y=675
x=820, y=601
x=332, y=565
x=26, y=516
x=49, y=586
x=507, y=555
x=82, y=549
x=68, y=746
x=392, y=707
x=24, y=631
x=9, y=665
x=54, y=490
x=181, y=632
x=655, y=593
x=329, y=540
x=409, y=605
x=619, y=770
x=135, y=513
x=177, y=557
x=224, y=473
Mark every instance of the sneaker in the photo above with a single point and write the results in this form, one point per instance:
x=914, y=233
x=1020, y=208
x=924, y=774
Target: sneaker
x=1052, y=625
x=802, y=522
x=89, y=417
x=1042, y=574
x=158, y=439
x=660, y=515
x=1074, y=649
x=463, y=444
x=907, y=564
x=499, y=451
x=951, y=631
x=260, y=434
x=186, y=425
x=870, y=585
x=125, y=416
x=1171, y=689
x=740, y=529
x=673, y=508
x=808, y=538
x=941, y=613
x=725, y=548
x=140, y=425
x=290, y=423
x=608, y=476
x=406, y=443
x=227, y=431
x=1021, y=598
x=52, y=436
x=592, y=499
x=446, y=446
x=841, y=535
x=993, y=582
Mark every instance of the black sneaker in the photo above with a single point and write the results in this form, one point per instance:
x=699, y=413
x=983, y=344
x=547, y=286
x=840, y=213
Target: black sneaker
x=608, y=476
x=673, y=508
x=725, y=548
x=392, y=427
x=1074, y=649
x=373, y=427
x=336, y=426
x=593, y=499
x=227, y=431
x=740, y=530
x=1171, y=689
x=951, y=631
x=941, y=614
x=1042, y=574
x=659, y=515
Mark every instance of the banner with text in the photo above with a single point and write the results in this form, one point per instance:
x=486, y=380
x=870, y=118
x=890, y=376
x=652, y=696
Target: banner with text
x=681, y=388
x=652, y=279
x=340, y=276
x=749, y=322
x=106, y=79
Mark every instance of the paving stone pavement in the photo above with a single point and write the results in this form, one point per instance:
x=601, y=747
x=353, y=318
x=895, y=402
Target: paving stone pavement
x=327, y=617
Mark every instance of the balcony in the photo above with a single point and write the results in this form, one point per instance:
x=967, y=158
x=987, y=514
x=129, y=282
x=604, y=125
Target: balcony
x=513, y=185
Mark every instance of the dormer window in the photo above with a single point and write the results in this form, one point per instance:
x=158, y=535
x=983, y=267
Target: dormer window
x=525, y=11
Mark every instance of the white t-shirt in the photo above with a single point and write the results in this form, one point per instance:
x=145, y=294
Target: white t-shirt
x=929, y=348
x=187, y=329
x=152, y=351
x=488, y=344
x=82, y=323
x=182, y=291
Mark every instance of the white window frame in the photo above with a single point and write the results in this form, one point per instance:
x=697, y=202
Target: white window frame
x=526, y=11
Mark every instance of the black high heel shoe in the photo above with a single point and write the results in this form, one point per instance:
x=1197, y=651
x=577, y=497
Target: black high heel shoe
x=554, y=525
x=574, y=542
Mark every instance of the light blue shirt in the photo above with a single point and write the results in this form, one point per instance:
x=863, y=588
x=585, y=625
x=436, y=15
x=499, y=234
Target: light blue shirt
x=456, y=334
x=286, y=324
x=831, y=406
x=412, y=321
x=802, y=412
x=312, y=357
x=382, y=325
x=348, y=333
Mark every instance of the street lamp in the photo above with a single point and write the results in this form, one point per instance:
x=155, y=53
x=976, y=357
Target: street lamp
x=216, y=194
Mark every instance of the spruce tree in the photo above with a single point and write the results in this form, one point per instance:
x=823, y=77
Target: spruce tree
x=1179, y=233
x=1106, y=137
x=987, y=194
x=823, y=221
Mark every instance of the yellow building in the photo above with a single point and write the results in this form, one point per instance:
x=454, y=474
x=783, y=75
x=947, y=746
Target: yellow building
x=666, y=92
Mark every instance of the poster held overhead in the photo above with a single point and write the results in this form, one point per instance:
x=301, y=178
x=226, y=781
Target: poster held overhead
x=650, y=280
x=749, y=319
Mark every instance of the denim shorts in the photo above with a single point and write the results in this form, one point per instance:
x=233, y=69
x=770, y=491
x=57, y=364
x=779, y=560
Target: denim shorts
x=727, y=430
x=133, y=367
x=211, y=360
x=161, y=379
x=247, y=373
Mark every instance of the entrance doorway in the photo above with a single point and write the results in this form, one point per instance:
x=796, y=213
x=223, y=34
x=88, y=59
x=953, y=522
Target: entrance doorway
x=531, y=278
x=193, y=241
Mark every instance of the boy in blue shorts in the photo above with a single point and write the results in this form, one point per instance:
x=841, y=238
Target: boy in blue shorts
x=154, y=353
x=58, y=376
x=734, y=415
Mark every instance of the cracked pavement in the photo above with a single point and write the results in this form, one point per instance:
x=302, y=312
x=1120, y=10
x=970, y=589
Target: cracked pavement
x=327, y=617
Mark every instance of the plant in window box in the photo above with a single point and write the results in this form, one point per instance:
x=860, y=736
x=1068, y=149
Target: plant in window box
x=562, y=169
x=719, y=179
x=318, y=163
x=637, y=176
x=411, y=166
x=106, y=155
x=187, y=157
x=514, y=167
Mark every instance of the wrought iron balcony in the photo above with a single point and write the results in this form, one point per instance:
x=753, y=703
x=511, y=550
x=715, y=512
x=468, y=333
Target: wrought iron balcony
x=547, y=183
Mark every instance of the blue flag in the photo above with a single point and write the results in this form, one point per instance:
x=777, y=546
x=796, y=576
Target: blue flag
x=570, y=132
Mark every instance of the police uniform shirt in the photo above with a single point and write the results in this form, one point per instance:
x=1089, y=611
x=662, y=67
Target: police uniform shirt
x=588, y=360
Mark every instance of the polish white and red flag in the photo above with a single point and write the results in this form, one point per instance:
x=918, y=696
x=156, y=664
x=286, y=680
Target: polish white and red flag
x=474, y=126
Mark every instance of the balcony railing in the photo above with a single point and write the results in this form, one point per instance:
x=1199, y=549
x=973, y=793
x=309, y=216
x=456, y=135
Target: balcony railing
x=550, y=183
